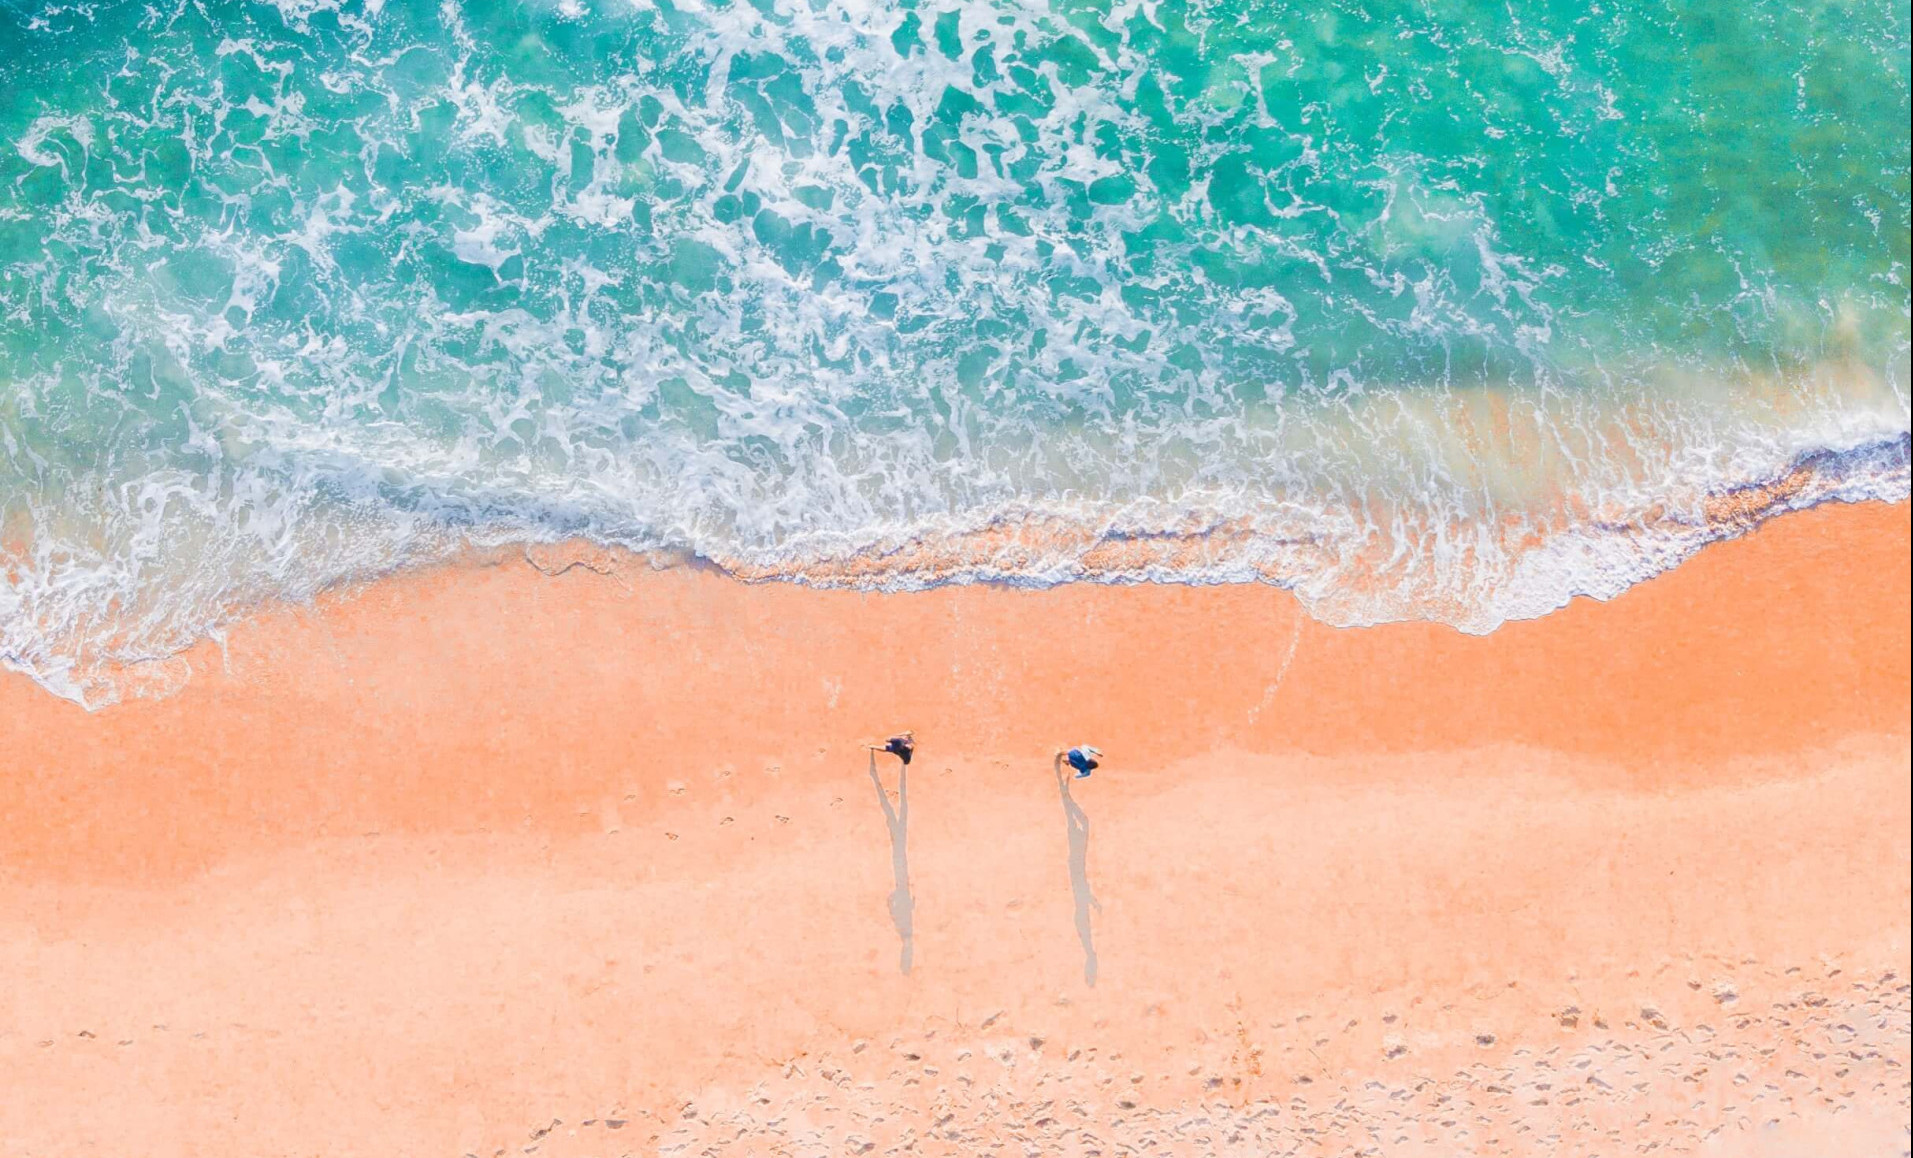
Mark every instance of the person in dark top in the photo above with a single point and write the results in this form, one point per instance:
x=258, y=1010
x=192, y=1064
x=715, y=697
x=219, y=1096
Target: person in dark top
x=1083, y=758
x=903, y=745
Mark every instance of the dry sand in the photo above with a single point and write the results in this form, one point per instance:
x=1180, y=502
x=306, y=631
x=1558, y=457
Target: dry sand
x=489, y=861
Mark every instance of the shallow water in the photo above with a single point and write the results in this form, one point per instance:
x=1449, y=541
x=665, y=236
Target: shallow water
x=1448, y=311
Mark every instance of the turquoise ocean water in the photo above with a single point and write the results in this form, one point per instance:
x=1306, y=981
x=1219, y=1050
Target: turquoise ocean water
x=1448, y=310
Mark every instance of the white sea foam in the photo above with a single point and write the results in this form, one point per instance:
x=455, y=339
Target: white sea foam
x=1386, y=524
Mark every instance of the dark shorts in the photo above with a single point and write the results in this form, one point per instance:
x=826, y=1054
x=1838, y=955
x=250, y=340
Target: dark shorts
x=901, y=749
x=1082, y=762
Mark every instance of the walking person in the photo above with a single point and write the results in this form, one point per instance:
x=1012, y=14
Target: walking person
x=1083, y=758
x=903, y=745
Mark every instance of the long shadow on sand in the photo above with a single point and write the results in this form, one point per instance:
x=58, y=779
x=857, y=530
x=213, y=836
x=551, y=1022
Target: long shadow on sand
x=1078, y=821
x=898, y=818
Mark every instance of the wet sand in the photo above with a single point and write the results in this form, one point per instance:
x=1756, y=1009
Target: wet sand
x=488, y=858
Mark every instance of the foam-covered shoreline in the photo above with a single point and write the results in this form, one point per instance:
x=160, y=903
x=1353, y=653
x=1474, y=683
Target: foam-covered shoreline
x=1610, y=551
x=1484, y=577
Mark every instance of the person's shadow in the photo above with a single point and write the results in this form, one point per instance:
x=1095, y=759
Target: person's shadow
x=1078, y=821
x=898, y=819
